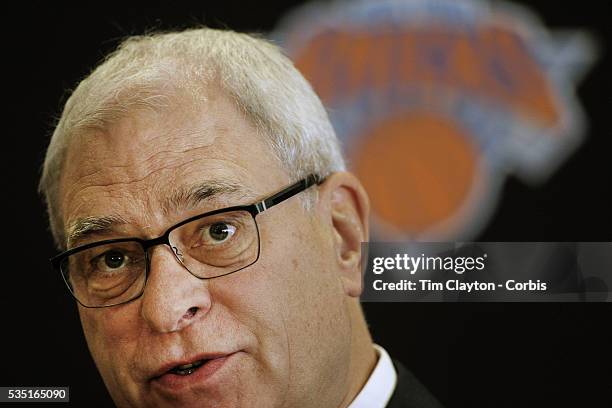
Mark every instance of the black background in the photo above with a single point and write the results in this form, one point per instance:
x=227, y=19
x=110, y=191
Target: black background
x=469, y=355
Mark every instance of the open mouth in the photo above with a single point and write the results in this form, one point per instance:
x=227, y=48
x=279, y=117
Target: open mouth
x=187, y=369
x=195, y=373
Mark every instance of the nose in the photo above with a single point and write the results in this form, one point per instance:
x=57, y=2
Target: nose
x=173, y=298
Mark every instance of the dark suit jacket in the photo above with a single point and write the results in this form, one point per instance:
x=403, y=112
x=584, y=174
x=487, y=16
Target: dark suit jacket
x=409, y=392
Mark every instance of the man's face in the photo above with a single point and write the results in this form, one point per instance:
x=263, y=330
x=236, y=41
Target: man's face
x=275, y=334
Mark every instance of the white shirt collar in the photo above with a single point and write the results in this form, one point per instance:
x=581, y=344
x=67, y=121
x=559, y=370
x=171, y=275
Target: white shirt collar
x=377, y=391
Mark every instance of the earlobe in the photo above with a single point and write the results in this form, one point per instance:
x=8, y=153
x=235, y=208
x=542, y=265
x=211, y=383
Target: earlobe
x=349, y=207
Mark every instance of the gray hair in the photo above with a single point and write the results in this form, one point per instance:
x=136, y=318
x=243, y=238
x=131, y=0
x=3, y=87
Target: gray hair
x=146, y=72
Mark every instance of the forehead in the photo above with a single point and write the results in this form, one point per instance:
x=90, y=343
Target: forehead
x=130, y=169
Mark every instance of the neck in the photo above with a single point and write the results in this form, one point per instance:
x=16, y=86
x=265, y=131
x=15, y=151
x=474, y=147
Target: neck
x=363, y=355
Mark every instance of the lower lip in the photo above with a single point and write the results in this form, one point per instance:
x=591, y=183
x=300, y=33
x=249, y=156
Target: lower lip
x=204, y=373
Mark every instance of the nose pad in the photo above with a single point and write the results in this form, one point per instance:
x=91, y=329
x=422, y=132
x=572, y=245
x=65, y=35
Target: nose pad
x=178, y=255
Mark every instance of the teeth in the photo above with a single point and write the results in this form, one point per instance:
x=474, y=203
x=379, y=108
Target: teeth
x=187, y=369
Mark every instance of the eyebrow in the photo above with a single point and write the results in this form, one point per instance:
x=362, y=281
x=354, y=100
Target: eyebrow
x=180, y=198
x=92, y=225
x=192, y=196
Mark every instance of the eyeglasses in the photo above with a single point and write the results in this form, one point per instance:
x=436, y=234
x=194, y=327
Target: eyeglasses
x=210, y=245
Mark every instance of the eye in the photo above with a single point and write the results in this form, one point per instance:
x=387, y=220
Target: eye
x=112, y=260
x=220, y=232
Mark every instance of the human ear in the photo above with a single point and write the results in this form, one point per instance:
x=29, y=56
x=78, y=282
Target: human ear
x=349, y=210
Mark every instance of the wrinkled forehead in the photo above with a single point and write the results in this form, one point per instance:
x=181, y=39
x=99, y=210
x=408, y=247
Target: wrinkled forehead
x=140, y=167
x=150, y=135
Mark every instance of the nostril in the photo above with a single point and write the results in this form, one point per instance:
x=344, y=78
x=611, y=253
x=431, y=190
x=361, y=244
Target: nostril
x=190, y=313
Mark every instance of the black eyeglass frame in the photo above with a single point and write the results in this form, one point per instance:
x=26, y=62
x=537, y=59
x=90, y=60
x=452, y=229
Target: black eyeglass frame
x=164, y=239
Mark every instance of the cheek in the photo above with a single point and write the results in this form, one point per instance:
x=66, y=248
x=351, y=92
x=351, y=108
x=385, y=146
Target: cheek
x=290, y=300
x=250, y=300
x=111, y=337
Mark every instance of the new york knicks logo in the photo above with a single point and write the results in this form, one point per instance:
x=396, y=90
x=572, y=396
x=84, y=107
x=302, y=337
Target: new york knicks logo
x=437, y=101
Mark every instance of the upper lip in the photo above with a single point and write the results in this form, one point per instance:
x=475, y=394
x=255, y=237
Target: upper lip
x=189, y=360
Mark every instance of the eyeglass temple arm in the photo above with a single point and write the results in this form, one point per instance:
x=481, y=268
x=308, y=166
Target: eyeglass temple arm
x=288, y=192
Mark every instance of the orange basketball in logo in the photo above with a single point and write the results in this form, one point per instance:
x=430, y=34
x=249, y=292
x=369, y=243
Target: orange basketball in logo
x=418, y=170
